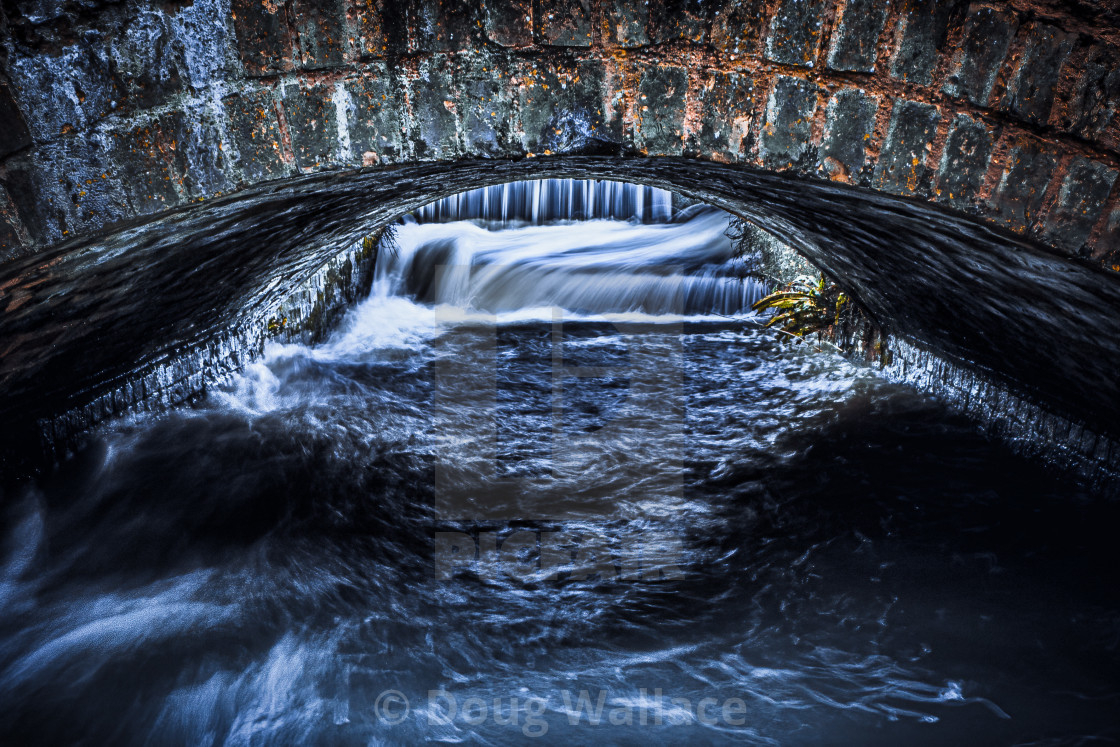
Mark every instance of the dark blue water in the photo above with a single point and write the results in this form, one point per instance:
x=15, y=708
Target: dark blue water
x=556, y=495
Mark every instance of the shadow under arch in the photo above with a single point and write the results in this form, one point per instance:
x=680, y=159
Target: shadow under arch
x=85, y=320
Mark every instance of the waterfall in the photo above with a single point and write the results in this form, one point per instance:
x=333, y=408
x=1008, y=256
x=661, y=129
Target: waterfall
x=550, y=200
x=544, y=259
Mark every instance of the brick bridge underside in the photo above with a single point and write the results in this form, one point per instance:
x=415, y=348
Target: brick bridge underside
x=953, y=164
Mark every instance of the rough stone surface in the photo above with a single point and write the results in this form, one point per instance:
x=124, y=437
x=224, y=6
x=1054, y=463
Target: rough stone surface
x=1080, y=201
x=263, y=36
x=509, y=22
x=1093, y=108
x=434, y=112
x=374, y=119
x=321, y=33
x=987, y=36
x=854, y=42
x=312, y=123
x=661, y=97
x=676, y=20
x=1023, y=184
x=964, y=162
x=566, y=23
x=626, y=22
x=788, y=127
x=727, y=102
x=849, y=123
x=1031, y=93
x=924, y=25
x=255, y=129
x=795, y=32
x=902, y=164
x=738, y=29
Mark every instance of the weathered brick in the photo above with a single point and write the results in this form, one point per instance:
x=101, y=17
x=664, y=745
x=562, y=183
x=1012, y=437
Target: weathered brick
x=964, y=162
x=42, y=220
x=14, y=134
x=255, y=130
x=487, y=101
x=672, y=20
x=727, y=112
x=626, y=22
x=199, y=153
x=375, y=124
x=509, y=22
x=312, y=124
x=661, y=102
x=566, y=23
x=902, y=161
x=795, y=32
x=737, y=28
x=987, y=36
x=373, y=39
x=441, y=25
x=924, y=25
x=1093, y=108
x=144, y=62
x=434, y=131
x=571, y=114
x=849, y=123
x=1080, y=202
x=1023, y=183
x=144, y=158
x=856, y=35
x=321, y=32
x=263, y=36
x=1030, y=94
x=788, y=127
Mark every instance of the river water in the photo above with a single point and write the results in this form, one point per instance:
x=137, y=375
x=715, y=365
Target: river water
x=551, y=482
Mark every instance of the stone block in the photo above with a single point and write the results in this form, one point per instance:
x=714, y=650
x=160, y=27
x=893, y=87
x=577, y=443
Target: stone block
x=442, y=25
x=661, y=102
x=255, y=131
x=856, y=36
x=144, y=61
x=849, y=123
x=901, y=168
x=199, y=152
x=14, y=134
x=568, y=108
x=64, y=92
x=321, y=32
x=987, y=36
x=786, y=133
x=1080, y=201
x=508, y=22
x=370, y=17
x=626, y=22
x=435, y=116
x=312, y=124
x=727, y=102
x=964, y=162
x=679, y=20
x=795, y=32
x=1022, y=186
x=145, y=159
x=924, y=25
x=487, y=103
x=737, y=29
x=1030, y=94
x=264, y=39
x=1092, y=109
x=375, y=123
x=566, y=23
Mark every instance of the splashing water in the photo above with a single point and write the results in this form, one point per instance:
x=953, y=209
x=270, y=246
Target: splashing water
x=790, y=550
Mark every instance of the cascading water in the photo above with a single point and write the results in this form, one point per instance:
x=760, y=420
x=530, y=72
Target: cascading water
x=666, y=528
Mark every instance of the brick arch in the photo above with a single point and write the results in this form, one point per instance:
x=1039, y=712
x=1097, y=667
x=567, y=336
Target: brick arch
x=1006, y=110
